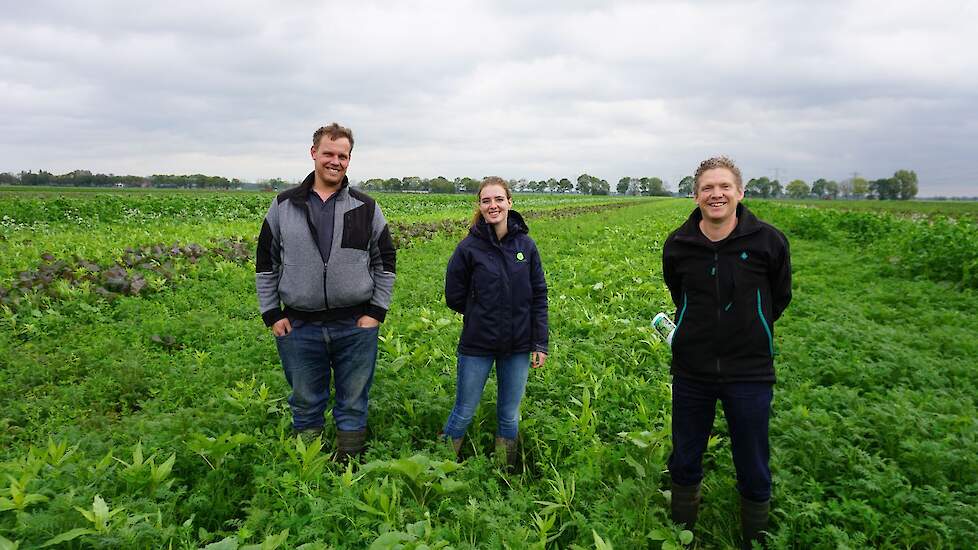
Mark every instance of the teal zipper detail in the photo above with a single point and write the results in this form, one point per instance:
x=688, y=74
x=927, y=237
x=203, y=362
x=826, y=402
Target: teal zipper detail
x=767, y=329
x=680, y=321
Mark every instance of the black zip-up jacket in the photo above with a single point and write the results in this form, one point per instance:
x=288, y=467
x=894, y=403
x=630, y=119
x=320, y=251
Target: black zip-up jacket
x=500, y=290
x=728, y=295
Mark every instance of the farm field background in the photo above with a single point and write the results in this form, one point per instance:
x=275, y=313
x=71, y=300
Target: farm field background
x=151, y=413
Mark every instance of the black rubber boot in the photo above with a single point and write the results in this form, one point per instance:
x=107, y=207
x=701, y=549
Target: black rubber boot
x=685, y=504
x=349, y=445
x=753, y=521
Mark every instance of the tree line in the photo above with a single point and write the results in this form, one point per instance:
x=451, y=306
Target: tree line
x=901, y=186
x=85, y=178
x=585, y=184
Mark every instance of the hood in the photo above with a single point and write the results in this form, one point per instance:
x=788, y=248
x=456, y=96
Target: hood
x=514, y=225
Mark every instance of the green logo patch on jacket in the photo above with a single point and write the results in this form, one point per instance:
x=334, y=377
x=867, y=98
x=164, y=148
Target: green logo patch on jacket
x=520, y=257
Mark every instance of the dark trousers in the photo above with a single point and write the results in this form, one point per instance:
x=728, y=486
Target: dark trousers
x=747, y=408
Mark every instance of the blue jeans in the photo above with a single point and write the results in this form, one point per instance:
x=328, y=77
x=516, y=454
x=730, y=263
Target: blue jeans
x=473, y=371
x=747, y=408
x=313, y=351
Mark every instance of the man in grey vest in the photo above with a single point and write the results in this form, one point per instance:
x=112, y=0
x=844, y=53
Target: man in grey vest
x=324, y=274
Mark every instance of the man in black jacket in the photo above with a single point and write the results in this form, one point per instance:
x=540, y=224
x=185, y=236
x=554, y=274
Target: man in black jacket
x=729, y=274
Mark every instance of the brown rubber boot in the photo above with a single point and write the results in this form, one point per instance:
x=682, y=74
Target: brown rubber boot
x=456, y=444
x=753, y=521
x=507, y=453
x=685, y=504
x=349, y=445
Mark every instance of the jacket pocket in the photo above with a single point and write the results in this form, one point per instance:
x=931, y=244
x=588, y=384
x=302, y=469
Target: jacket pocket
x=348, y=279
x=301, y=286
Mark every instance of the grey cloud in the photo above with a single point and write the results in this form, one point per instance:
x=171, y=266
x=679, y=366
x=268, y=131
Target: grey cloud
x=472, y=88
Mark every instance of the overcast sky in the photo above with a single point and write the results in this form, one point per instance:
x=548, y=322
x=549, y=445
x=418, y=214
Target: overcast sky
x=454, y=88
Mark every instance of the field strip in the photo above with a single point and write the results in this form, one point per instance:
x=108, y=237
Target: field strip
x=873, y=434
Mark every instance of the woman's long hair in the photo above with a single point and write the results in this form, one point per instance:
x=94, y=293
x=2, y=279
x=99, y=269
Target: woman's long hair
x=491, y=180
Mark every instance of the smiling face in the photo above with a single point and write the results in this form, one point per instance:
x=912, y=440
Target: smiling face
x=494, y=204
x=330, y=160
x=717, y=195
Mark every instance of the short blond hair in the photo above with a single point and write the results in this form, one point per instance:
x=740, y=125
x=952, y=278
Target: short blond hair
x=717, y=162
x=334, y=132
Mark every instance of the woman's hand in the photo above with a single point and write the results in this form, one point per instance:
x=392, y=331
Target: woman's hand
x=537, y=359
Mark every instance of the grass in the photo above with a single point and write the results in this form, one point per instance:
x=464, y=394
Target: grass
x=873, y=433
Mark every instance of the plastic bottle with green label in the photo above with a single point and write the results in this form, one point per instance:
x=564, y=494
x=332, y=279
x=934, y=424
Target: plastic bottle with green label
x=664, y=326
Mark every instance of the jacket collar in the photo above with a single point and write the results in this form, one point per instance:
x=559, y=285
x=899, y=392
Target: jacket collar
x=300, y=193
x=747, y=223
x=514, y=225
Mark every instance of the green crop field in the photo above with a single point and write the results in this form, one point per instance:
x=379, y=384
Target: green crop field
x=142, y=404
x=913, y=208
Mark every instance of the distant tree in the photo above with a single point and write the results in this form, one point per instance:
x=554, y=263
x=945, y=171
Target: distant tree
x=441, y=185
x=468, y=185
x=758, y=187
x=564, y=185
x=644, y=186
x=7, y=178
x=845, y=189
x=907, y=183
x=686, y=186
x=603, y=188
x=373, y=184
x=798, y=189
x=40, y=178
x=831, y=190
x=818, y=188
x=584, y=184
x=860, y=187
x=763, y=188
x=623, y=185
x=411, y=183
x=657, y=188
x=885, y=189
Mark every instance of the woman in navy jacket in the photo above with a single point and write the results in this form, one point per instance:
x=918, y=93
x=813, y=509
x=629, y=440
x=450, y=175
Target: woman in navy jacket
x=495, y=280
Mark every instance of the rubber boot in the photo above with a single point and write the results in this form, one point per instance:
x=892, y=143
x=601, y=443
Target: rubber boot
x=507, y=453
x=308, y=435
x=685, y=504
x=349, y=445
x=456, y=444
x=753, y=521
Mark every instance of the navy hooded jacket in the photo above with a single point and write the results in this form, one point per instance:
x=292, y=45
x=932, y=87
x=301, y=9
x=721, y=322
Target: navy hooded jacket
x=499, y=288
